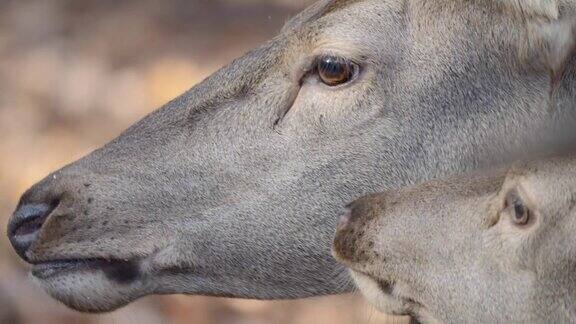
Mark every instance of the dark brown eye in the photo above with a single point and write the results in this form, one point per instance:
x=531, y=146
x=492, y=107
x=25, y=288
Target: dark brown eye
x=334, y=70
x=519, y=212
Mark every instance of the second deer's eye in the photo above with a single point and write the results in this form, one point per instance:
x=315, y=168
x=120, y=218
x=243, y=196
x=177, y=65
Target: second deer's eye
x=519, y=212
x=334, y=70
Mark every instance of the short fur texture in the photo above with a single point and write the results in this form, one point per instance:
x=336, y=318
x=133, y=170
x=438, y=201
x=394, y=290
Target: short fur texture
x=449, y=251
x=234, y=188
x=548, y=9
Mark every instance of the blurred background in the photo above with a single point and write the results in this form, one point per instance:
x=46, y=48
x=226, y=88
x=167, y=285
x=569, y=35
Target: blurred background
x=73, y=74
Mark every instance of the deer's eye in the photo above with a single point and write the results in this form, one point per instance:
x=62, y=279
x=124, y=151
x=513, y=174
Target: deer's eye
x=519, y=213
x=334, y=70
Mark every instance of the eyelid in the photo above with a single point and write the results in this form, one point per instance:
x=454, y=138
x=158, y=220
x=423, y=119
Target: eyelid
x=352, y=51
x=356, y=59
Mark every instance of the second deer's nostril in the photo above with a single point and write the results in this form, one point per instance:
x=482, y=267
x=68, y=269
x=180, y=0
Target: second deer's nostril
x=345, y=219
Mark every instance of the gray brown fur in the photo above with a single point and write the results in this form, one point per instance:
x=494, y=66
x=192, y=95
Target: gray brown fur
x=449, y=251
x=233, y=189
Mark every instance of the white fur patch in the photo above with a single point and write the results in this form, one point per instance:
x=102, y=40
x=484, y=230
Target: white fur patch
x=542, y=8
x=374, y=294
x=550, y=34
x=559, y=42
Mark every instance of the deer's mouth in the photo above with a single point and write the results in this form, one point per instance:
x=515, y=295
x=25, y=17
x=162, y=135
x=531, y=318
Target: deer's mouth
x=120, y=271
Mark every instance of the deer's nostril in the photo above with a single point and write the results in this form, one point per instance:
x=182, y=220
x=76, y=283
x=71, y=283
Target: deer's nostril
x=25, y=225
x=29, y=227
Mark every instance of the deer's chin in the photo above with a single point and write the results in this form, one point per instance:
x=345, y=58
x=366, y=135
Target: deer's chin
x=87, y=285
x=380, y=294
